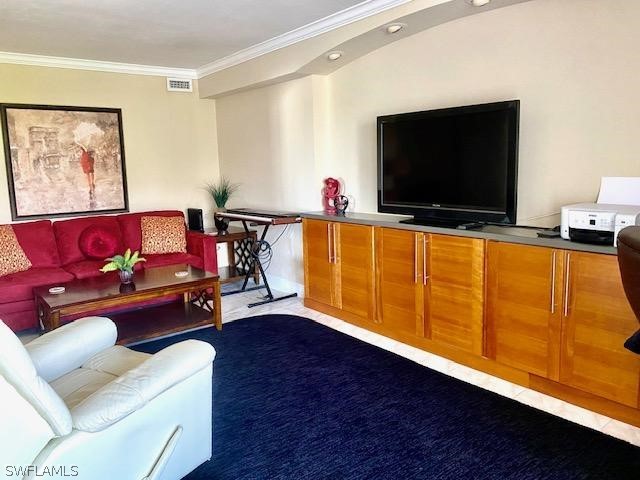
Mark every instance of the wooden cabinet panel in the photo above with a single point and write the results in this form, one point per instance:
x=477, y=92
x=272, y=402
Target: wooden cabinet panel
x=399, y=280
x=597, y=321
x=524, y=307
x=318, y=267
x=455, y=302
x=355, y=261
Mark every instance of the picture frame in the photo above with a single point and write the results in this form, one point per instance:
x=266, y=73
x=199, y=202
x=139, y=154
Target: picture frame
x=63, y=161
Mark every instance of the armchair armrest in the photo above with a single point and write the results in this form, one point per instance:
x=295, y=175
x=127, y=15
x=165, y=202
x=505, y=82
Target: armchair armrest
x=138, y=386
x=203, y=246
x=70, y=346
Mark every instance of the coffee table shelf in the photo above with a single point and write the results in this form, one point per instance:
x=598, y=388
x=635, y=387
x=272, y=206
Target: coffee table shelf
x=151, y=322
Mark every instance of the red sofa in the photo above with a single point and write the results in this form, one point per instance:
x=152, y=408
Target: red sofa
x=56, y=258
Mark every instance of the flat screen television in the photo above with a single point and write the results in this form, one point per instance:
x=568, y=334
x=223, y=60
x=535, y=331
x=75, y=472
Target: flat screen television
x=450, y=166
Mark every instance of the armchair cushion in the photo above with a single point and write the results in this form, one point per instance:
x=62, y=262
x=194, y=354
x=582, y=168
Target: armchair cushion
x=19, y=371
x=131, y=391
x=70, y=346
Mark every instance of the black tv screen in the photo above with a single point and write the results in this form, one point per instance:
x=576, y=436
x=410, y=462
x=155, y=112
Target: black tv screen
x=451, y=164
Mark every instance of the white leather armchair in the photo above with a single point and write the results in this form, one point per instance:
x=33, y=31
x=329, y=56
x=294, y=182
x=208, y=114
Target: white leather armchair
x=74, y=404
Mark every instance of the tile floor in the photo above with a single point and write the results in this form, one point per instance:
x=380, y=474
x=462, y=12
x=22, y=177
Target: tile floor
x=234, y=307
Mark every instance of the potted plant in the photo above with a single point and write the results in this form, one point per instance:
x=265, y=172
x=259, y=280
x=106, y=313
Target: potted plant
x=123, y=264
x=221, y=191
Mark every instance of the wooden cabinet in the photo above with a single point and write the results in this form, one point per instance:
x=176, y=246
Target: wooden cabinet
x=431, y=286
x=597, y=320
x=455, y=280
x=339, y=266
x=563, y=316
x=546, y=318
x=524, y=307
x=400, y=281
x=319, y=271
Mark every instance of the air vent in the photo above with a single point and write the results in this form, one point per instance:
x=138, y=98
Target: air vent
x=179, y=85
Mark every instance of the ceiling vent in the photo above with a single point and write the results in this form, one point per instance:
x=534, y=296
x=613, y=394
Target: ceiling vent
x=179, y=85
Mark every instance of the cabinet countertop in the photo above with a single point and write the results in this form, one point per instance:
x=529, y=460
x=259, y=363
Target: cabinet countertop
x=511, y=234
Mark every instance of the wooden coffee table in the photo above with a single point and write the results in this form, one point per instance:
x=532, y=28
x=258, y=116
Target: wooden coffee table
x=139, y=322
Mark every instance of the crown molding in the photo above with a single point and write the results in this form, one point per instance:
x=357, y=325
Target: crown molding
x=95, y=65
x=331, y=22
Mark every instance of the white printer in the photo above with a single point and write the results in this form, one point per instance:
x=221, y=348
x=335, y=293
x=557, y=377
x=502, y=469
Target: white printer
x=597, y=223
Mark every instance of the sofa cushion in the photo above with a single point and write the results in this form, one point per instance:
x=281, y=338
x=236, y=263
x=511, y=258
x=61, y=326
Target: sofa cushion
x=12, y=257
x=68, y=234
x=19, y=286
x=98, y=242
x=131, y=229
x=161, y=260
x=85, y=268
x=38, y=242
x=163, y=235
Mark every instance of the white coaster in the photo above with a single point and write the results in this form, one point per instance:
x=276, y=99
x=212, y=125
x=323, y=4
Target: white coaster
x=181, y=273
x=56, y=290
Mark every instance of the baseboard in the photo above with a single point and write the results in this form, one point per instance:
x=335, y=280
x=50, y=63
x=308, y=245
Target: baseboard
x=285, y=286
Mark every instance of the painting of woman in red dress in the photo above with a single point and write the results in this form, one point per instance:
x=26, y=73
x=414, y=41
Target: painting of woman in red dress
x=87, y=162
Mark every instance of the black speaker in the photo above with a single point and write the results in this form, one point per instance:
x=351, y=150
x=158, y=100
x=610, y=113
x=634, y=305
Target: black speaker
x=195, y=219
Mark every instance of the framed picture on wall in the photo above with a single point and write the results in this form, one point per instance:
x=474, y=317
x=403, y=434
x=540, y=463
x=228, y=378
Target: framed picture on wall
x=63, y=161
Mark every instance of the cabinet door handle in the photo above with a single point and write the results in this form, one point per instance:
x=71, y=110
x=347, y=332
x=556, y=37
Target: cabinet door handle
x=425, y=274
x=566, y=285
x=335, y=251
x=553, y=282
x=415, y=259
x=329, y=246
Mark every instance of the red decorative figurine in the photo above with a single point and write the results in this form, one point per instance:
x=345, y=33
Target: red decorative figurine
x=330, y=191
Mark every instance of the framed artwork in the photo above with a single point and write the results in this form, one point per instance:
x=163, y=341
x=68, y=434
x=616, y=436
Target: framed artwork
x=63, y=161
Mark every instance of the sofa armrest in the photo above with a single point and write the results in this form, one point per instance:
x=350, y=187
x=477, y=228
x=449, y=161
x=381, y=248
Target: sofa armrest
x=138, y=386
x=203, y=246
x=66, y=348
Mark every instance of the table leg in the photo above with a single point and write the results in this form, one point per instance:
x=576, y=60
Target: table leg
x=187, y=297
x=217, y=307
x=231, y=258
x=256, y=270
x=54, y=318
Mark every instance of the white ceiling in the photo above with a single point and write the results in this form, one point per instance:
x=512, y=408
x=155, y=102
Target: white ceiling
x=178, y=33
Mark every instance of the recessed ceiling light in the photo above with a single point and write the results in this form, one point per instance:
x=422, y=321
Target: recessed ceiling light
x=394, y=27
x=333, y=56
x=478, y=3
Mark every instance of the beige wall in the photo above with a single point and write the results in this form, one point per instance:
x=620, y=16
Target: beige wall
x=169, y=138
x=574, y=64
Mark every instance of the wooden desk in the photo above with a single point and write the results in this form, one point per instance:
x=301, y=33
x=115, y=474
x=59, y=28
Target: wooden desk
x=239, y=243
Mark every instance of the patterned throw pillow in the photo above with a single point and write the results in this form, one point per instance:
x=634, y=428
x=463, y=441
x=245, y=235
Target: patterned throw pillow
x=12, y=257
x=163, y=235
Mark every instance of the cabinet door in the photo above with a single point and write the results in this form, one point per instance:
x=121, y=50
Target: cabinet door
x=399, y=277
x=524, y=307
x=454, y=304
x=597, y=320
x=355, y=262
x=319, y=272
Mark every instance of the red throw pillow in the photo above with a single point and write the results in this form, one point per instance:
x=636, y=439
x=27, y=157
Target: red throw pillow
x=98, y=243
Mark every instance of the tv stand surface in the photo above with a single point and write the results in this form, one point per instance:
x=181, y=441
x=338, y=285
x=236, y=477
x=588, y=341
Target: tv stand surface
x=442, y=222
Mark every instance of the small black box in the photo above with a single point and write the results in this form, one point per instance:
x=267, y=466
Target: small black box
x=194, y=215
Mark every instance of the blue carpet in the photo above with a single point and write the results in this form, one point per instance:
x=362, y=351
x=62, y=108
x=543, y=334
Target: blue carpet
x=296, y=400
